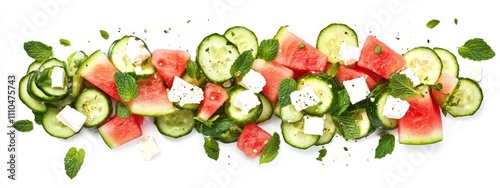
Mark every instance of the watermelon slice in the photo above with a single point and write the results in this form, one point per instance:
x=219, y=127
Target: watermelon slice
x=273, y=74
x=345, y=73
x=118, y=131
x=152, y=99
x=214, y=97
x=297, y=54
x=422, y=122
x=381, y=60
x=170, y=63
x=252, y=140
x=449, y=83
x=99, y=71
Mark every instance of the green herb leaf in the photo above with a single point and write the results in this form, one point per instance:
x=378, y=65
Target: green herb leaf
x=193, y=70
x=23, y=125
x=270, y=150
x=343, y=102
x=242, y=64
x=436, y=87
x=385, y=146
x=37, y=50
x=43, y=78
x=456, y=21
x=287, y=86
x=346, y=149
x=302, y=46
x=332, y=71
x=476, y=49
x=268, y=49
x=401, y=86
x=73, y=161
x=126, y=86
x=208, y=122
x=322, y=153
x=218, y=128
x=378, y=49
x=347, y=126
x=122, y=110
x=104, y=34
x=64, y=42
x=211, y=148
x=432, y=23
x=38, y=117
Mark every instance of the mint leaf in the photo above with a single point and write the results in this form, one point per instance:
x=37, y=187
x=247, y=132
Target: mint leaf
x=476, y=49
x=332, y=71
x=268, y=49
x=378, y=49
x=64, y=42
x=401, y=86
x=270, y=150
x=287, y=86
x=38, y=117
x=347, y=126
x=43, y=78
x=126, y=86
x=342, y=103
x=37, y=50
x=208, y=122
x=104, y=34
x=436, y=87
x=322, y=153
x=456, y=21
x=218, y=128
x=385, y=146
x=242, y=64
x=211, y=148
x=23, y=125
x=192, y=69
x=122, y=110
x=73, y=161
x=432, y=23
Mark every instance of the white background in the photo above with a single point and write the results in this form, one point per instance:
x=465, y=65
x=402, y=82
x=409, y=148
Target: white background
x=467, y=157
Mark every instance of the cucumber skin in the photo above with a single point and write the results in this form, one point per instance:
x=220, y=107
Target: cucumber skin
x=372, y=107
x=334, y=92
x=228, y=108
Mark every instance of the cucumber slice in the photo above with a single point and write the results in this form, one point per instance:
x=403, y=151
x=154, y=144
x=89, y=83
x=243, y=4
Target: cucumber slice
x=215, y=57
x=362, y=128
x=267, y=109
x=465, y=99
x=96, y=105
x=289, y=114
x=36, y=93
x=375, y=107
x=234, y=113
x=243, y=38
x=324, y=87
x=73, y=62
x=449, y=60
x=119, y=57
x=425, y=63
x=61, y=103
x=47, y=88
x=54, y=127
x=293, y=134
x=34, y=66
x=331, y=37
x=30, y=102
x=329, y=131
x=177, y=124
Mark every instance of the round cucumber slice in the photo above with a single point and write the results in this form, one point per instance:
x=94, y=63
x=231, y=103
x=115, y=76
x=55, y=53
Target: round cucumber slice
x=215, y=57
x=96, y=105
x=449, y=60
x=177, y=124
x=425, y=63
x=331, y=38
x=466, y=99
x=243, y=38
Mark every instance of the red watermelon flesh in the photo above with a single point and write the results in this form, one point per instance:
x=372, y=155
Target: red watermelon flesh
x=345, y=73
x=383, y=63
x=422, y=122
x=252, y=140
x=118, y=131
x=273, y=74
x=297, y=54
x=214, y=97
x=99, y=71
x=152, y=99
x=170, y=63
x=449, y=83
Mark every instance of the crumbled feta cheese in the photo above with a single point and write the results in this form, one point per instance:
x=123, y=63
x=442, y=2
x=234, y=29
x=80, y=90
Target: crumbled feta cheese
x=395, y=108
x=304, y=98
x=183, y=92
x=476, y=73
x=136, y=51
x=314, y=125
x=357, y=89
x=349, y=54
x=246, y=101
x=58, y=77
x=149, y=148
x=71, y=118
x=412, y=76
x=253, y=81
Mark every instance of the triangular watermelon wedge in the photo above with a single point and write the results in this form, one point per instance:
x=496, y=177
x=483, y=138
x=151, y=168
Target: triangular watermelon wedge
x=152, y=99
x=99, y=71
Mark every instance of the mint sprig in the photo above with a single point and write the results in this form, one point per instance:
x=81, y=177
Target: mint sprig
x=343, y=102
x=211, y=148
x=126, y=86
x=23, y=125
x=73, y=161
x=401, y=86
x=270, y=150
x=347, y=126
x=476, y=49
x=385, y=146
x=287, y=86
x=219, y=127
x=268, y=49
x=122, y=110
x=242, y=64
x=193, y=70
x=38, y=50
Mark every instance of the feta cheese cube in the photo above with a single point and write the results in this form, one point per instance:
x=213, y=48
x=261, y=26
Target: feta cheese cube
x=58, y=77
x=136, y=51
x=246, y=101
x=314, y=125
x=183, y=92
x=253, y=81
x=349, y=54
x=476, y=73
x=412, y=76
x=395, y=108
x=357, y=89
x=149, y=148
x=304, y=98
x=71, y=118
